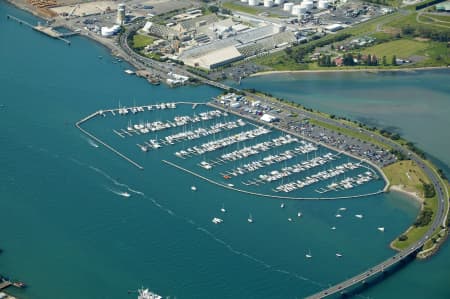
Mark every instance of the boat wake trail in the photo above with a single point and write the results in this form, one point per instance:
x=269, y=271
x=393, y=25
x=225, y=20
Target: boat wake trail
x=92, y=143
x=256, y=260
x=200, y=228
x=120, y=193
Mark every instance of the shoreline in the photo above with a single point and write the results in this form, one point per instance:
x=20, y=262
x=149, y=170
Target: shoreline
x=411, y=194
x=351, y=70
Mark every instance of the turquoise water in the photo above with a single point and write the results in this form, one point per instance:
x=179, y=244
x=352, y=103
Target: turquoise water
x=67, y=234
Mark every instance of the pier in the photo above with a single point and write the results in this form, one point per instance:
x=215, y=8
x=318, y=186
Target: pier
x=5, y=284
x=78, y=125
x=47, y=30
x=263, y=194
x=120, y=111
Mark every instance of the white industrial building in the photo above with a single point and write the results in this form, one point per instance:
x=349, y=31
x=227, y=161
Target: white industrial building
x=215, y=58
x=268, y=118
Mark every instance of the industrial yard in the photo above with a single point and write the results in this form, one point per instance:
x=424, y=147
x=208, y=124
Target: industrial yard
x=207, y=38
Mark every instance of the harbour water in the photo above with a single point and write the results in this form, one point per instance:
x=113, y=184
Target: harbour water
x=70, y=230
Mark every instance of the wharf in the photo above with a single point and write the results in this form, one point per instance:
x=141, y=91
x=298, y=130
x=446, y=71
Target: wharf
x=5, y=284
x=229, y=110
x=47, y=30
x=113, y=112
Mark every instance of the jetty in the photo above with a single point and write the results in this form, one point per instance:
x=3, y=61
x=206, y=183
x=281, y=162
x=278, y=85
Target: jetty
x=47, y=30
x=5, y=284
x=78, y=125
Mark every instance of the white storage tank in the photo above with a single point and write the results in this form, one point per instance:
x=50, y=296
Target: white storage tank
x=268, y=3
x=302, y=10
x=307, y=4
x=288, y=6
x=253, y=2
x=279, y=2
x=323, y=4
x=295, y=10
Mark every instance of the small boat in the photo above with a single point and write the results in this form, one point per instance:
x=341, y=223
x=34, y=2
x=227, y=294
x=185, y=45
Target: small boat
x=250, y=219
x=333, y=228
x=146, y=294
x=308, y=255
x=124, y=194
x=19, y=284
x=223, y=209
x=230, y=185
x=359, y=216
x=216, y=220
x=342, y=209
x=193, y=188
x=338, y=215
x=290, y=219
x=282, y=205
x=299, y=214
x=381, y=229
x=338, y=255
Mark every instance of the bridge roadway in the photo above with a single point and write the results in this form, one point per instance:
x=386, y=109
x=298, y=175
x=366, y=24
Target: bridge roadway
x=441, y=191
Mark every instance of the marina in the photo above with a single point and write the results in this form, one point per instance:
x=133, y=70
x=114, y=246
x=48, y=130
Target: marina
x=137, y=220
x=309, y=170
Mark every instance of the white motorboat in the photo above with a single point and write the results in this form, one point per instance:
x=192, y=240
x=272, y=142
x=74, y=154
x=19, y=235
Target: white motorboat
x=216, y=220
x=146, y=294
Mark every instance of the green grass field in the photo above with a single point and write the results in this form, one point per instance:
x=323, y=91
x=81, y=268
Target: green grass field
x=435, y=20
x=411, y=20
x=237, y=7
x=140, y=41
x=410, y=177
x=406, y=173
x=441, y=18
x=401, y=48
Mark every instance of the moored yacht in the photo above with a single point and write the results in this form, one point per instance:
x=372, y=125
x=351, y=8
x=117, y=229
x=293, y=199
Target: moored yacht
x=216, y=220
